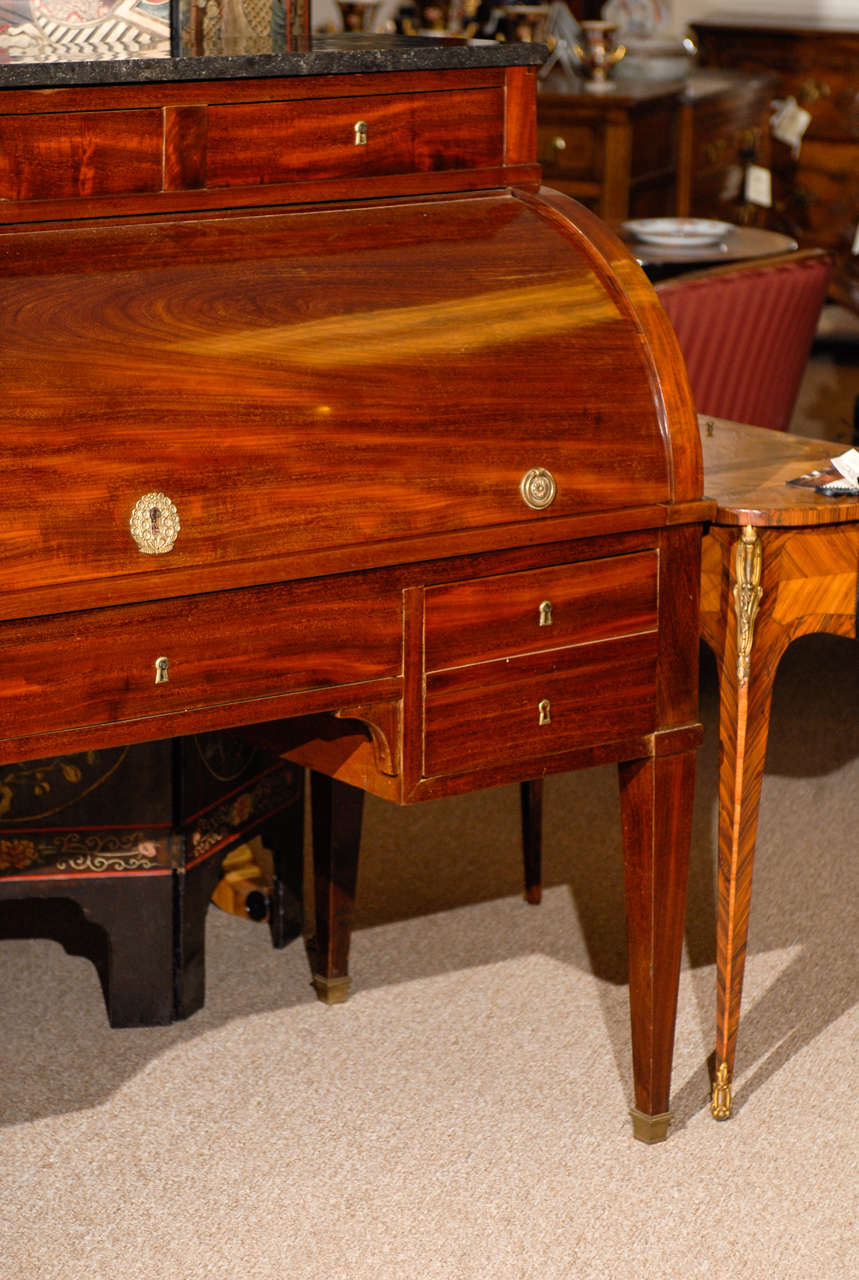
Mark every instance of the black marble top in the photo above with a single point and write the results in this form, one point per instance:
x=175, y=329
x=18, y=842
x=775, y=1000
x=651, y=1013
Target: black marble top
x=328, y=55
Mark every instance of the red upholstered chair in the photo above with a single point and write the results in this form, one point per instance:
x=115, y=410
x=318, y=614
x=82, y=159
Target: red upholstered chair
x=745, y=331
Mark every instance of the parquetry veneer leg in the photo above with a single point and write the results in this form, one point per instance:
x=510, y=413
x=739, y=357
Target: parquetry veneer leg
x=656, y=812
x=746, y=674
x=337, y=810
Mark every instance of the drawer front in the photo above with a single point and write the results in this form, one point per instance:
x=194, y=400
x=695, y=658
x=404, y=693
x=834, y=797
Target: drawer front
x=83, y=153
x=820, y=70
x=479, y=716
x=101, y=665
x=494, y=618
x=571, y=150
x=252, y=144
x=822, y=199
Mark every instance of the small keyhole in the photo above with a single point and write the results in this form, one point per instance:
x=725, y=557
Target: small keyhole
x=155, y=518
x=162, y=670
x=545, y=711
x=361, y=133
x=546, y=613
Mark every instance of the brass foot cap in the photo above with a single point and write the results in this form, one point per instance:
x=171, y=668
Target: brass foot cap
x=331, y=990
x=649, y=1128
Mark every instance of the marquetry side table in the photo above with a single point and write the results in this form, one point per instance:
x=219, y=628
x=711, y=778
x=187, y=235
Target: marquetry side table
x=778, y=562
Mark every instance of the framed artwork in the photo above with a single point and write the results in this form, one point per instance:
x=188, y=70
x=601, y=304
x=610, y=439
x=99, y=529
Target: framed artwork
x=232, y=26
x=102, y=30
x=83, y=30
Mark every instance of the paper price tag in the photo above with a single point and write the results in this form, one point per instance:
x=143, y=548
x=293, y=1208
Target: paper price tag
x=848, y=464
x=759, y=186
x=790, y=123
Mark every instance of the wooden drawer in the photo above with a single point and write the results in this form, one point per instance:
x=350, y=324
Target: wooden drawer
x=493, y=618
x=251, y=143
x=99, y=665
x=80, y=153
x=489, y=713
x=63, y=155
x=822, y=198
x=571, y=150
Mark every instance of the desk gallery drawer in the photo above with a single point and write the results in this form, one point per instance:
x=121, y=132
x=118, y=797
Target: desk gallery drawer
x=249, y=144
x=80, y=153
x=109, y=664
x=540, y=704
x=497, y=617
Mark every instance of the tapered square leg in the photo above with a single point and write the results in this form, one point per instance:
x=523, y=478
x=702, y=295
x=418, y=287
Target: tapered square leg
x=337, y=811
x=656, y=810
x=531, y=799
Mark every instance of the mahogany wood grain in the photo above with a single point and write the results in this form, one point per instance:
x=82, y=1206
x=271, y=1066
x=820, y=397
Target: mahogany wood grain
x=656, y=823
x=221, y=647
x=247, y=146
x=809, y=575
x=341, y=392
x=539, y=704
x=520, y=122
x=174, y=377
x=488, y=618
x=96, y=154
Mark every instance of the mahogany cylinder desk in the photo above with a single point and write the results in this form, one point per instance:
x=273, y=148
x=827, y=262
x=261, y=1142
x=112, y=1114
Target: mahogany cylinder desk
x=319, y=414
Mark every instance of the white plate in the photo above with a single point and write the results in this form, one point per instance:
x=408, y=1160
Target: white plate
x=678, y=233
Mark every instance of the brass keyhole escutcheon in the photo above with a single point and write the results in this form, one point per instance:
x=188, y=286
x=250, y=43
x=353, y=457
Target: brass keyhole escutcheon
x=544, y=708
x=361, y=133
x=162, y=670
x=154, y=524
x=546, y=614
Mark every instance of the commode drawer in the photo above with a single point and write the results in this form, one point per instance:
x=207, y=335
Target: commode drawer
x=135, y=661
x=249, y=144
x=514, y=613
x=539, y=705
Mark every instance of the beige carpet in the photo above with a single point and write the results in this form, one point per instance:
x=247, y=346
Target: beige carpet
x=464, y=1115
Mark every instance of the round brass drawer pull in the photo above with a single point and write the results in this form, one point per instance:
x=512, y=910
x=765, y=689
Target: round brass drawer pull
x=538, y=488
x=154, y=524
x=559, y=143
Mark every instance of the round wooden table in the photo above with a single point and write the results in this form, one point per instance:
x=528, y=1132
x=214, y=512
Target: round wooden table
x=662, y=261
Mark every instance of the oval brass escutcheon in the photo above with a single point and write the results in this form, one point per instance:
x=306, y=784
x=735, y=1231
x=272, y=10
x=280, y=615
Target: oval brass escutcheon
x=538, y=488
x=154, y=524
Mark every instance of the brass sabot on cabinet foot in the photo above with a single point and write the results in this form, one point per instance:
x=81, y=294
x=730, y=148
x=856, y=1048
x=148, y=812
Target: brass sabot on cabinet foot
x=649, y=1128
x=720, y=1101
x=331, y=990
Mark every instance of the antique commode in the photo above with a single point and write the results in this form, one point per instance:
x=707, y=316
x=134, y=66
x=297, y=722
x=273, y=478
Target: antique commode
x=320, y=416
